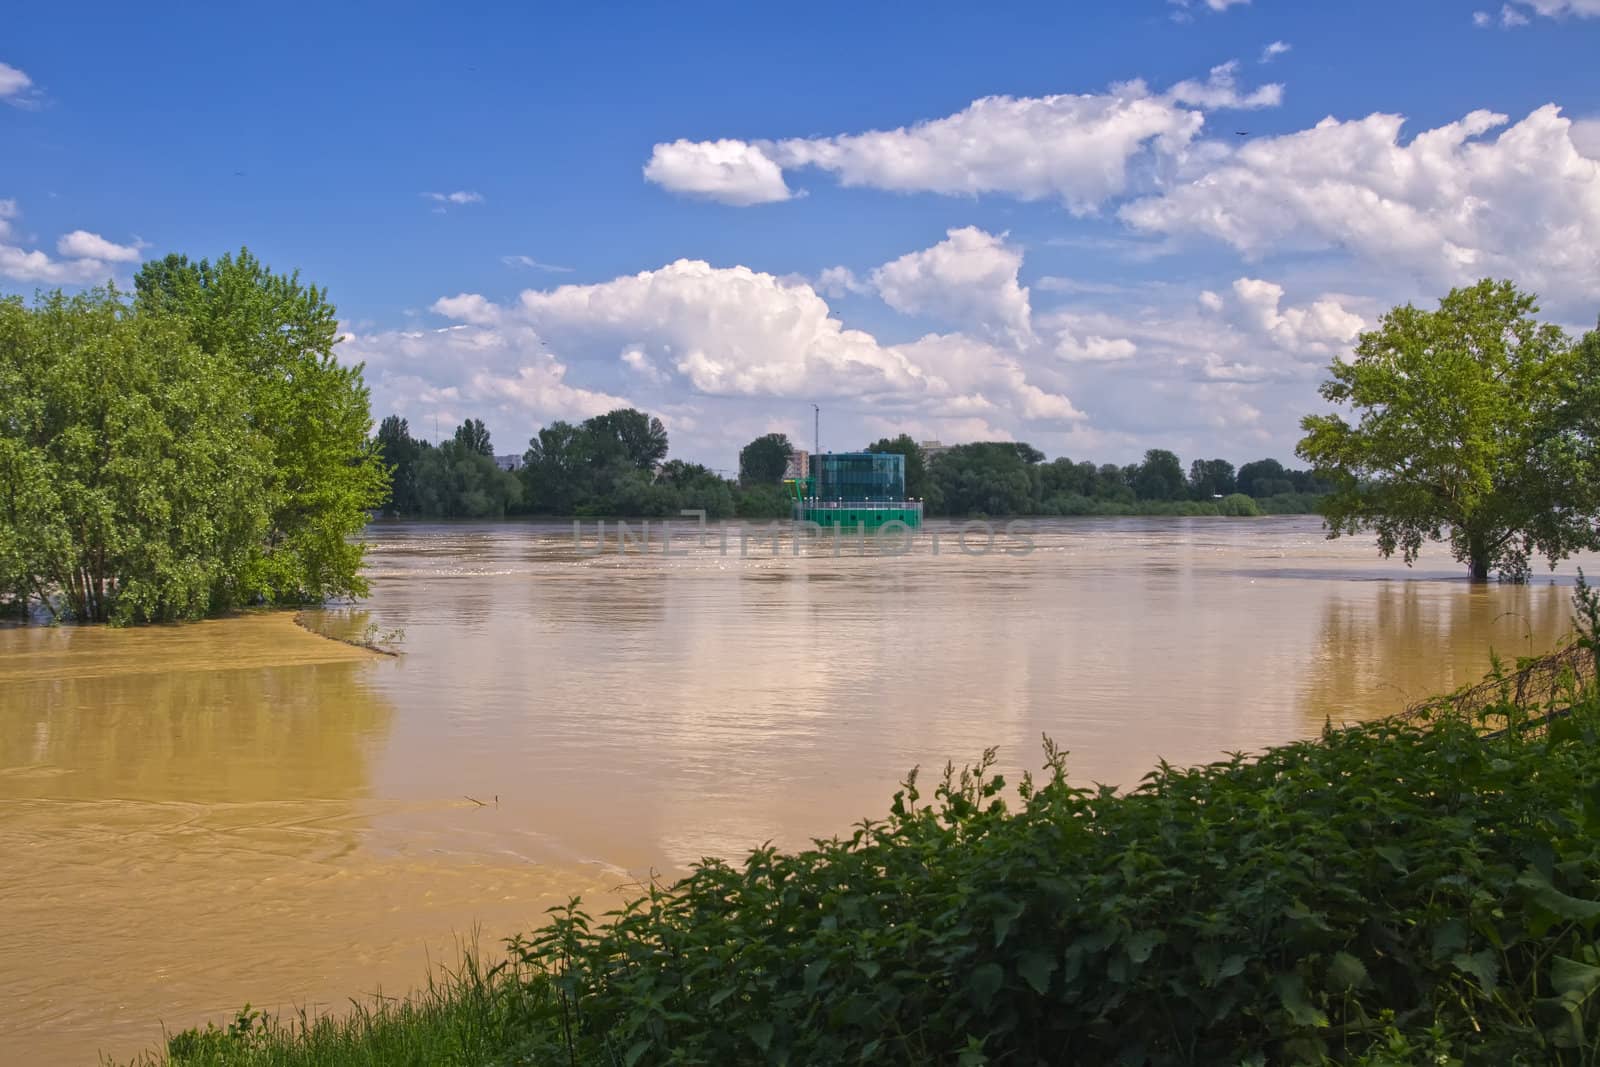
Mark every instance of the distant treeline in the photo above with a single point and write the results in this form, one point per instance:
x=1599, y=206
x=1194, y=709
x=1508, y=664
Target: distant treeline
x=616, y=464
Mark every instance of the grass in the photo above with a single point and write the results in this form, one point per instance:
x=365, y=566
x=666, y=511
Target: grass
x=466, y=1016
x=1424, y=889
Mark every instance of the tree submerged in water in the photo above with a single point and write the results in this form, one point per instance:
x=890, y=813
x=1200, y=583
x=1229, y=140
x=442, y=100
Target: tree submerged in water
x=1479, y=426
x=194, y=449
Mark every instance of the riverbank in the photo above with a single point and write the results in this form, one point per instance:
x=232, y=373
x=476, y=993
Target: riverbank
x=1419, y=888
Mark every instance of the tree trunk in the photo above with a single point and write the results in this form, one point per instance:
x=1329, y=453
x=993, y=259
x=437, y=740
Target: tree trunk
x=1478, y=555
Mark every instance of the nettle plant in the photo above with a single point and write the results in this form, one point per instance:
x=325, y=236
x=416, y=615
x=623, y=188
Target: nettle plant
x=1398, y=891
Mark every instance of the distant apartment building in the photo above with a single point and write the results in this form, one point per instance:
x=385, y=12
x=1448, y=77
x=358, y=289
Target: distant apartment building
x=930, y=449
x=508, y=463
x=799, y=465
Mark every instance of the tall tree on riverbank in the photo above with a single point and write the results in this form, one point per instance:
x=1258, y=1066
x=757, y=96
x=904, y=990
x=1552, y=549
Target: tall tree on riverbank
x=325, y=474
x=401, y=454
x=762, y=461
x=473, y=436
x=134, y=481
x=1477, y=426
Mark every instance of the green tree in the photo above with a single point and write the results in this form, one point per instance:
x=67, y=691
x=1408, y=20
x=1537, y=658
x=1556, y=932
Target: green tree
x=400, y=452
x=987, y=478
x=133, y=477
x=762, y=461
x=1159, y=477
x=456, y=481
x=473, y=436
x=326, y=474
x=1476, y=426
x=1211, y=478
x=916, y=465
x=639, y=439
x=698, y=487
x=1112, y=483
x=1264, y=477
x=553, y=469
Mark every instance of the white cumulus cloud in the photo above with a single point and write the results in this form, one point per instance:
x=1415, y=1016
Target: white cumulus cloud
x=729, y=330
x=1081, y=149
x=732, y=172
x=1451, y=204
x=1077, y=148
x=733, y=332
x=969, y=278
x=1560, y=8
x=16, y=87
x=1322, y=328
x=1220, y=91
x=501, y=373
x=85, y=258
x=81, y=244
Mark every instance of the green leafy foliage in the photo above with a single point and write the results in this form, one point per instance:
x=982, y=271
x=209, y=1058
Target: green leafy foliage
x=325, y=475
x=1002, y=478
x=1398, y=890
x=762, y=461
x=1477, y=426
x=195, y=450
x=133, y=479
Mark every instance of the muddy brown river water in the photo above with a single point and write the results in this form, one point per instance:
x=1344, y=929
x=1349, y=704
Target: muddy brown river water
x=241, y=810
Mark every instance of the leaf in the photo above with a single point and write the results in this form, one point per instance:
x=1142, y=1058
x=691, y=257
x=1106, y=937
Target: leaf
x=1347, y=972
x=1009, y=912
x=1548, y=898
x=985, y=983
x=1449, y=936
x=1395, y=857
x=1571, y=978
x=635, y=1050
x=1483, y=965
x=1143, y=943
x=1291, y=990
x=1231, y=966
x=761, y=1034
x=870, y=968
x=1036, y=968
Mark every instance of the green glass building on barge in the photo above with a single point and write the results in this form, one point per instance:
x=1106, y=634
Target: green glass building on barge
x=854, y=489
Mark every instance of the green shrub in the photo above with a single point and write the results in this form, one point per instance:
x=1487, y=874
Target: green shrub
x=1398, y=885
x=1238, y=505
x=1290, y=504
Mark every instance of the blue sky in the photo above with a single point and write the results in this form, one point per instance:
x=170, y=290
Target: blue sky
x=1030, y=221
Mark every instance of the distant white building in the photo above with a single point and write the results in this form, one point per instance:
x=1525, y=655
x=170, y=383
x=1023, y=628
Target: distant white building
x=931, y=449
x=508, y=463
x=799, y=465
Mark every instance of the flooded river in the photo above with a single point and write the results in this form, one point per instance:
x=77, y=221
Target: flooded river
x=242, y=810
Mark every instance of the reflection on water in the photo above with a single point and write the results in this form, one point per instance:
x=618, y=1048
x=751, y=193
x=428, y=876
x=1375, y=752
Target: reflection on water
x=198, y=816
x=1408, y=641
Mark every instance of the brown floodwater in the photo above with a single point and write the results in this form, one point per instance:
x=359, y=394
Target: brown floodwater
x=241, y=810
